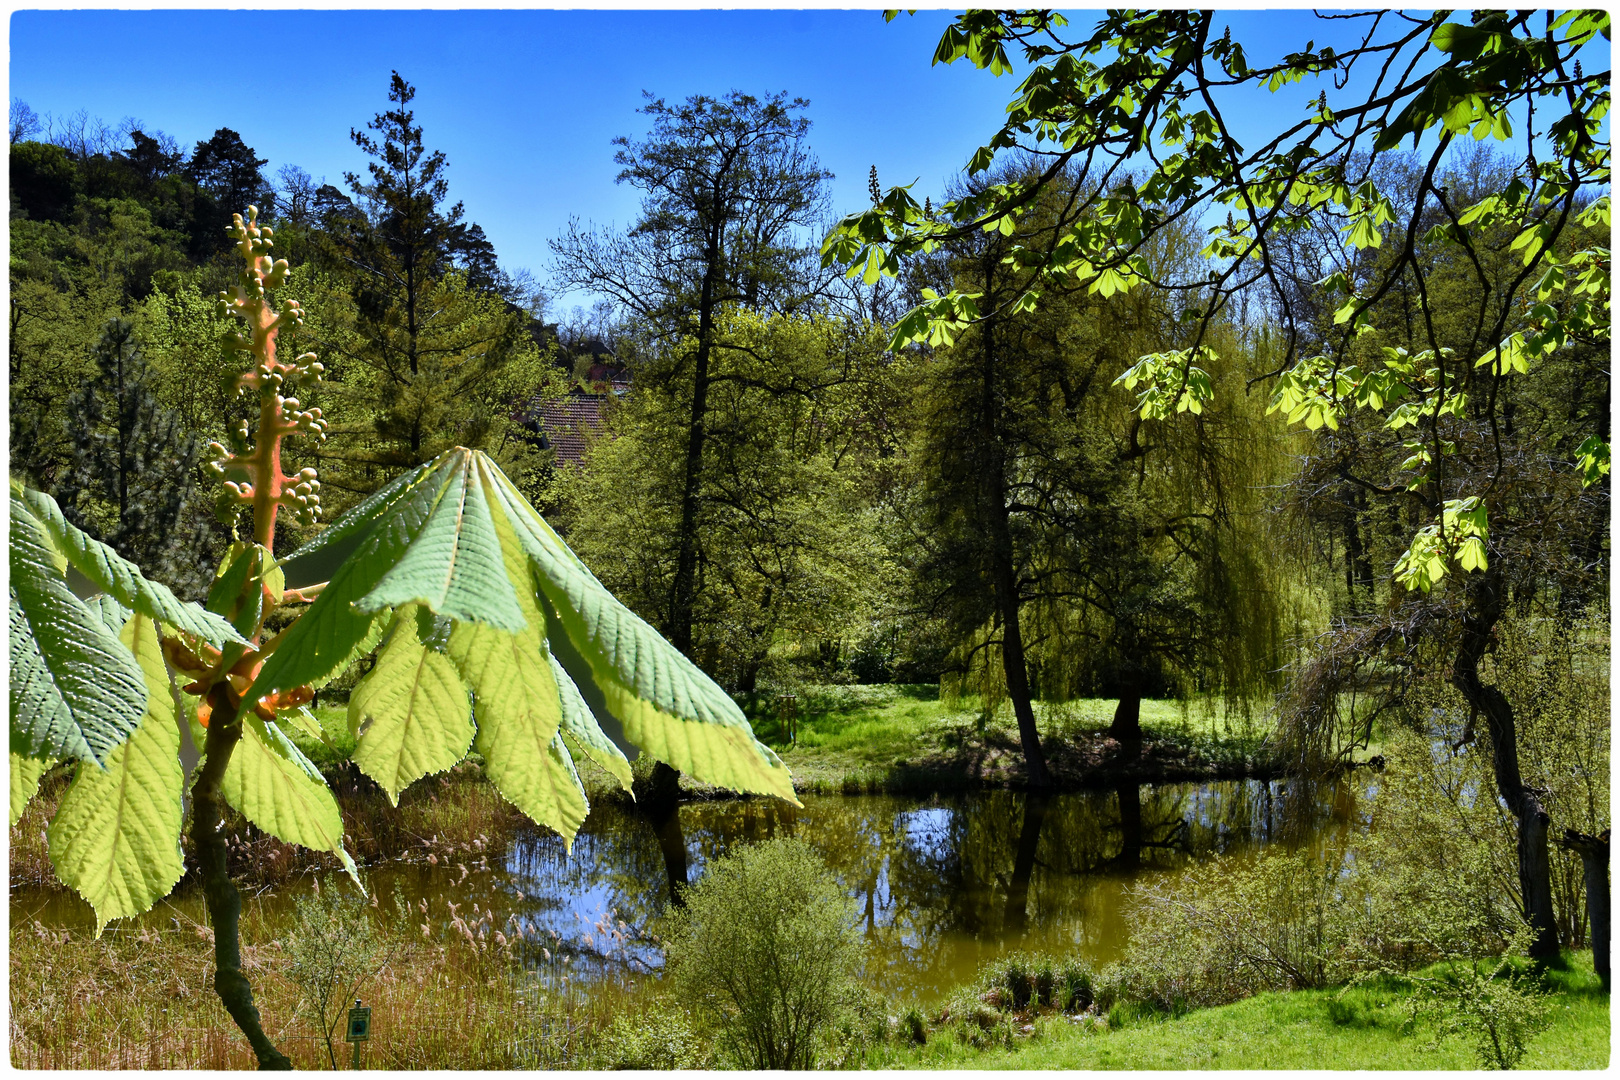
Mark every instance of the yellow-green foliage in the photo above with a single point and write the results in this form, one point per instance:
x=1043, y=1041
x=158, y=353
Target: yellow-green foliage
x=794, y=550
x=766, y=948
x=1557, y=677
x=1435, y=872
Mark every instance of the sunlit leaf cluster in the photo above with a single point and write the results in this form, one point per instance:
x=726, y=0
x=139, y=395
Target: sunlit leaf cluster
x=1139, y=109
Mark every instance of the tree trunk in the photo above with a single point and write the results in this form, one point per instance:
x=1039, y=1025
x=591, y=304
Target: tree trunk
x=1016, y=919
x=219, y=893
x=1594, y=852
x=1013, y=669
x=1004, y=574
x=1127, y=725
x=1486, y=601
x=681, y=592
x=658, y=798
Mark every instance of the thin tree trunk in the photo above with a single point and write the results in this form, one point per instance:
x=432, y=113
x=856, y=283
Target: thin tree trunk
x=1012, y=666
x=413, y=347
x=1594, y=852
x=1486, y=600
x=1004, y=573
x=681, y=593
x=219, y=893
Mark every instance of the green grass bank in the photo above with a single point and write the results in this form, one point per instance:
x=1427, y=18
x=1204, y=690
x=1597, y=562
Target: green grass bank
x=903, y=738
x=1364, y=1027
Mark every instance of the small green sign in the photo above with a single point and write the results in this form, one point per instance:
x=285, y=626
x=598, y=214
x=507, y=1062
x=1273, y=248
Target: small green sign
x=359, y=1025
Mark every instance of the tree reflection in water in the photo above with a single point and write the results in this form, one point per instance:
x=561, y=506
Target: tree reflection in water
x=941, y=884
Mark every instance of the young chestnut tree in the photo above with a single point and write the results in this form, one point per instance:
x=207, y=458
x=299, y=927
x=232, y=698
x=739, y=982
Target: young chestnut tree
x=446, y=573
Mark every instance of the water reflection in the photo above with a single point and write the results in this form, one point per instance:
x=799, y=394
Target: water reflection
x=940, y=885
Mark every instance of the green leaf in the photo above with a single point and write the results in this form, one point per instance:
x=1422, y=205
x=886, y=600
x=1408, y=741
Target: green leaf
x=1463, y=42
x=276, y=792
x=117, y=576
x=75, y=691
x=1364, y=234
x=410, y=712
x=25, y=776
x=319, y=559
x=1109, y=281
x=624, y=668
x=331, y=634
x=229, y=595
x=453, y=564
x=516, y=702
x=115, y=838
x=518, y=706
x=1592, y=459
x=580, y=729
x=304, y=722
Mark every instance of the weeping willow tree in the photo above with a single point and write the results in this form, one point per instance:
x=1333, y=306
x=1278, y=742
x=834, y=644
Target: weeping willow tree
x=1074, y=548
x=1178, y=582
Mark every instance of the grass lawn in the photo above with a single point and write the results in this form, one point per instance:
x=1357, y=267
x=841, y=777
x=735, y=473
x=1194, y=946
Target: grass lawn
x=862, y=738
x=1308, y=1029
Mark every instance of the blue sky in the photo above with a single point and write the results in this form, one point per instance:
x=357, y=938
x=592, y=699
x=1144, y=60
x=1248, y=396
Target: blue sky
x=525, y=103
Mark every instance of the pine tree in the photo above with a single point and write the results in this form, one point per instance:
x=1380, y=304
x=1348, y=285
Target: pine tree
x=435, y=360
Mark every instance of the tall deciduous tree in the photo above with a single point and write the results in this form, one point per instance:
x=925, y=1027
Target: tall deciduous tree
x=1161, y=85
x=789, y=546
x=726, y=183
x=1083, y=550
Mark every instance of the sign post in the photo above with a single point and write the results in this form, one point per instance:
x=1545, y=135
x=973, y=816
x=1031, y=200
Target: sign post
x=359, y=1028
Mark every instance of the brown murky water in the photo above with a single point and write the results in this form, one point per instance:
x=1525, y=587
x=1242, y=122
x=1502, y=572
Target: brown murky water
x=941, y=885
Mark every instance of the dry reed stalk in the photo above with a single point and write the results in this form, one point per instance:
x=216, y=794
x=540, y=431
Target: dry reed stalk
x=140, y=997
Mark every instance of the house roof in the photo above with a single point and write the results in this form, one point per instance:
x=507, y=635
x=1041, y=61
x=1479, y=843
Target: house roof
x=566, y=424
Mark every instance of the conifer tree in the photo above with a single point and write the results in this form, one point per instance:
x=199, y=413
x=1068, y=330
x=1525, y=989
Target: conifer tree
x=434, y=361
x=132, y=478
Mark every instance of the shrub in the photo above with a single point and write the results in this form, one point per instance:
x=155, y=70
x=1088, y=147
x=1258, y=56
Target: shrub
x=1499, y=1008
x=767, y=947
x=1435, y=871
x=659, y=1037
x=1229, y=929
x=332, y=951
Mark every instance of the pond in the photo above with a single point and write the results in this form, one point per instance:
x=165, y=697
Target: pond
x=940, y=884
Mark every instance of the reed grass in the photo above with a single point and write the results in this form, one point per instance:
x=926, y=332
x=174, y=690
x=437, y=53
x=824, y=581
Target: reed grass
x=460, y=989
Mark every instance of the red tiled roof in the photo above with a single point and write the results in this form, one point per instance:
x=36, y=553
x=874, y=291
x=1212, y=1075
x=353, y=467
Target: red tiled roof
x=567, y=423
